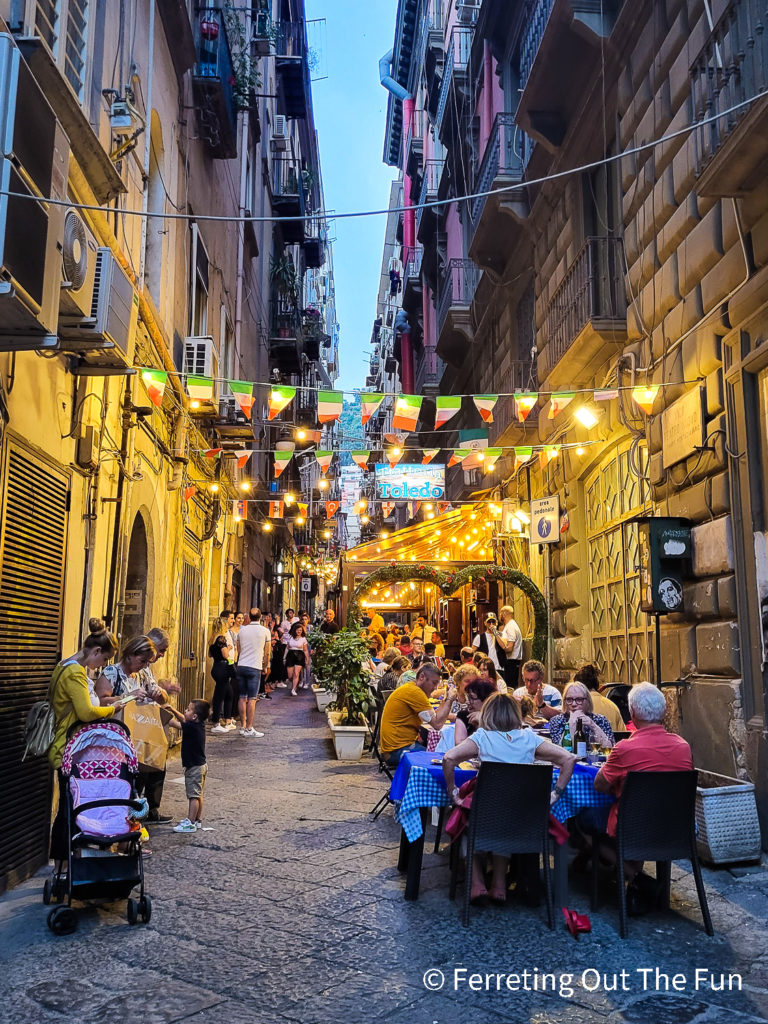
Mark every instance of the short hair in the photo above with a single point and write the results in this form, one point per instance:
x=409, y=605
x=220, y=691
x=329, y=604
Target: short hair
x=159, y=636
x=289, y=611
x=429, y=648
x=480, y=688
x=577, y=685
x=464, y=675
x=507, y=608
x=647, y=703
x=202, y=709
x=527, y=707
x=222, y=615
x=376, y=642
x=490, y=668
x=409, y=676
x=534, y=666
x=400, y=664
x=99, y=636
x=428, y=668
x=390, y=655
x=255, y=614
x=467, y=652
x=587, y=674
x=500, y=713
x=138, y=647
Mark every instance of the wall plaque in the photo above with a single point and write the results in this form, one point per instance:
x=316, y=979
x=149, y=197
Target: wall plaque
x=682, y=427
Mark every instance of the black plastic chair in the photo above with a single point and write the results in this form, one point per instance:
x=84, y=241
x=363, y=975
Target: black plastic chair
x=510, y=814
x=384, y=767
x=656, y=821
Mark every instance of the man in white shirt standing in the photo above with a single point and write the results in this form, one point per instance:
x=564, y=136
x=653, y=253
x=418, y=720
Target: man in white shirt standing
x=488, y=644
x=285, y=625
x=254, y=643
x=510, y=639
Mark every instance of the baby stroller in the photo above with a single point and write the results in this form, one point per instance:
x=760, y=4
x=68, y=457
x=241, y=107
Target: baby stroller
x=100, y=767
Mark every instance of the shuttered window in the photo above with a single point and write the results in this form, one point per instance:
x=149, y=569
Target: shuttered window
x=33, y=524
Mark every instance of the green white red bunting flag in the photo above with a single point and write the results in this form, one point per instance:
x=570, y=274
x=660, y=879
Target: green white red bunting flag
x=243, y=396
x=443, y=506
x=331, y=508
x=189, y=492
x=200, y=388
x=275, y=510
x=428, y=454
x=446, y=408
x=361, y=459
x=524, y=402
x=547, y=454
x=242, y=456
x=485, y=404
x=491, y=455
x=154, y=382
x=458, y=455
x=213, y=453
x=394, y=459
x=369, y=403
x=281, y=461
x=645, y=396
x=407, y=408
x=302, y=506
x=329, y=405
x=523, y=455
x=606, y=394
x=324, y=461
x=279, y=398
x=558, y=401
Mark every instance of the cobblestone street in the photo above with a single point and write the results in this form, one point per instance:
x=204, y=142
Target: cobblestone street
x=291, y=910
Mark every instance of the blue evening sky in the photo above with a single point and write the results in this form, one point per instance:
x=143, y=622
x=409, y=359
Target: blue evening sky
x=350, y=113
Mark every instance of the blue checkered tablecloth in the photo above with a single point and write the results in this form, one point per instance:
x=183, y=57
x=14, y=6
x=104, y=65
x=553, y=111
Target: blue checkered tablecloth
x=580, y=792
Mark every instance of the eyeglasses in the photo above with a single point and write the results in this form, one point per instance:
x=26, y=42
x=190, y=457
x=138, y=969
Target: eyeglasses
x=575, y=700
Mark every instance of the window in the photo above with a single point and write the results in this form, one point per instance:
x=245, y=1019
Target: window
x=63, y=25
x=620, y=631
x=227, y=345
x=199, y=286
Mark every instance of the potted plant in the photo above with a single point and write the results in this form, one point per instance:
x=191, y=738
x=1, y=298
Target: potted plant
x=340, y=658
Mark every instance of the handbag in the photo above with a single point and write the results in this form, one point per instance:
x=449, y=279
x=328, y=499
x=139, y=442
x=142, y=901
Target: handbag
x=39, y=727
x=459, y=816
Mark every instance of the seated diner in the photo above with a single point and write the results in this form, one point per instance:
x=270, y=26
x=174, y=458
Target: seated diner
x=546, y=698
x=577, y=704
x=476, y=691
x=407, y=709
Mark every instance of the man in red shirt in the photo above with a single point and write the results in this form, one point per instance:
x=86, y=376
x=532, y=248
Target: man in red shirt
x=649, y=749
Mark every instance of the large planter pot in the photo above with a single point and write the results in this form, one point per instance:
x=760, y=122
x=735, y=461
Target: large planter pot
x=727, y=827
x=348, y=740
x=323, y=697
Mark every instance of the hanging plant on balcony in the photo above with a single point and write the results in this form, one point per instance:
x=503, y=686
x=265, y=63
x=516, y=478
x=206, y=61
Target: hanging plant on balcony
x=245, y=74
x=308, y=179
x=282, y=274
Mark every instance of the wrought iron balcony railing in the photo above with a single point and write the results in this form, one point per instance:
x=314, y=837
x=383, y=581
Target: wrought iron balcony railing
x=503, y=158
x=458, y=288
x=533, y=33
x=456, y=62
x=213, y=81
x=430, y=183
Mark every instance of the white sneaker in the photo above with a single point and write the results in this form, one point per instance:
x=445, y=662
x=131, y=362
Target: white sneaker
x=245, y=732
x=231, y=727
x=198, y=825
x=254, y=733
x=282, y=686
x=185, y=825
x=220, y=728
x=294, y=694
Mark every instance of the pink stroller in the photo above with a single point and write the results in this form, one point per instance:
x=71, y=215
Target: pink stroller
x=100, y=766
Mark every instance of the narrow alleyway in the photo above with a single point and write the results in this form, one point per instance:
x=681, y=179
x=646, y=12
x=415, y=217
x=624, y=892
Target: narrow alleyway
x=291, y=910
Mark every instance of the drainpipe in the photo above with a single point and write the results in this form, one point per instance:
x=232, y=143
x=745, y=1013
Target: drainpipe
x=147, y=145
x=409, y=216
x=487, y=107
x=244, y=130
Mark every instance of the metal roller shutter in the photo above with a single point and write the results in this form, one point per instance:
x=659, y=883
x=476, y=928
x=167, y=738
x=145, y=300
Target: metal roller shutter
x=33, y=528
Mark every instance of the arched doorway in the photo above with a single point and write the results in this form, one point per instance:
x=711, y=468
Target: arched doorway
x=450, y=582
x=136, y=580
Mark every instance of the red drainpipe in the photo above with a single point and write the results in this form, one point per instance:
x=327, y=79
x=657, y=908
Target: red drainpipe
x=409, y=242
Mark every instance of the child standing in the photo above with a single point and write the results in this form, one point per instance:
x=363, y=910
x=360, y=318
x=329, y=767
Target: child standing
x=192, y=725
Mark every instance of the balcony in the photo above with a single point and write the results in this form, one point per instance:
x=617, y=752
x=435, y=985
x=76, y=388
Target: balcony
x=563, y=34
x=586, y=321
x=506, y=427
x=232, y=422
x=213, y=81
x=285, y=338
x=497, y=219
x=454, y=323
x=412, y=279
x=427, y=218
x=454, y=86
x=732, y=151
x=292, y=68
x=315, y=234
x=288, y=196
x=414, y=143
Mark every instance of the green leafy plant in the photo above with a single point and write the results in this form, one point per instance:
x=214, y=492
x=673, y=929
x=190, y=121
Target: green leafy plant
x=338, y=660
x=282, y=274
x=244, y=70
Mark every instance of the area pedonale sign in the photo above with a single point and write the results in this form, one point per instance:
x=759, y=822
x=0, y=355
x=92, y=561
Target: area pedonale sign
x=410, y=482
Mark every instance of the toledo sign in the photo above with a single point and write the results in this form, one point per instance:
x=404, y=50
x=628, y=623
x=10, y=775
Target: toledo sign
x=410, y=482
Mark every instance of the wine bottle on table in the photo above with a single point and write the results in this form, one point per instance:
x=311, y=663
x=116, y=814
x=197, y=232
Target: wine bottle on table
x=580, y=744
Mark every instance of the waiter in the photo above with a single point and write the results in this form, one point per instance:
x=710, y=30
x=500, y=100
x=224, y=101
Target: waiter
x=510, y=639
x=488, y=644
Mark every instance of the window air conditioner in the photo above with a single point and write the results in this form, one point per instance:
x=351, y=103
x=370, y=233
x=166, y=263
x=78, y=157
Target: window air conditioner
x=280, y=132
x=78, y=268
x=111, y=325
x=202, y=360
x=34, y=160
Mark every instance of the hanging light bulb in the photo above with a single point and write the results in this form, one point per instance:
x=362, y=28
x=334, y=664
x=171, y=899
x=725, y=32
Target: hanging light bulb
x=289, y=498
x=214, y=488
x=579, y=450
x=194, y=404
x=266, y=527
x=364, y=520
x=383, y=534
x=300, y=520
x=327, y=534
x=394, y=451
x=245, y=485
x=429, y=506
x=301, y=434
x=587, y=417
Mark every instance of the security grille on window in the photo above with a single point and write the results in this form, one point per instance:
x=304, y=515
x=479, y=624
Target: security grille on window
x=63, y=25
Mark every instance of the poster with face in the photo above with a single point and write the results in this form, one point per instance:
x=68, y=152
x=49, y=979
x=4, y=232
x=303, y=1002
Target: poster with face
x=670, y=593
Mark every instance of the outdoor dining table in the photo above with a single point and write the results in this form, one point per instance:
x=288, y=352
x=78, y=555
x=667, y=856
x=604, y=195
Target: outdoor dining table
x=418, y=785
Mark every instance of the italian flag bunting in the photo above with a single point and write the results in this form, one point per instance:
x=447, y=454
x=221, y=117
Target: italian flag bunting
x=275, y=510
x=387, y=508
x=524, y=402
x=485, y=404
x=413, y=509
x=407, y=408
x=393, y=459
x=428, y=454
x=242, y=456
x=302, y=506
x=189, y=492
x=369, y=403
x=458, y=455
x=558, y=401
x=324, y=461
x=446, y=408
x=329, y=405
x=243, y=396
x=645, y=396
x=331, y=508
x=551, y=451
x=491, y=455
x=361, y=459
x=281, y=461
x=154, y=382
x=443, y=506
x=279, y=398
x=212, y=453
x=523, y=455
x=606, y=394
x=200, y=388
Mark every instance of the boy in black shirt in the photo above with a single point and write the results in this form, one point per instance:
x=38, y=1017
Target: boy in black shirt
x=192, y=726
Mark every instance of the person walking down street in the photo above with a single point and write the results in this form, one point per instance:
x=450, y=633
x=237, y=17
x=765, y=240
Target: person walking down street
x=329, y=625
x=277, y=665
x=70, y=698
x=151, y=781
x=510, y=639
x=221, y=670
x=253, y=642
x=193, y=761
x=297, y=657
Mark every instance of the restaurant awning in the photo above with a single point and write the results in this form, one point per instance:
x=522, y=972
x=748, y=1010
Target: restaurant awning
x=459, y=537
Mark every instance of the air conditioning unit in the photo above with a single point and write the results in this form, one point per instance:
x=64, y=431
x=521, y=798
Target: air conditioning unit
x=280, y=132
x=78, y=269
x=110, y=327
x=202, y=360
x=34, y=161
x=467, y=11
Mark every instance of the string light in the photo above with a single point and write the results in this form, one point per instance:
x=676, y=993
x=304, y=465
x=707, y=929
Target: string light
x=214, y=488
x=300, y=520
x=194, y=404
x=266, y=527
x=586, y=416
x=301, y=434
x=245, y=485
x=322, y=484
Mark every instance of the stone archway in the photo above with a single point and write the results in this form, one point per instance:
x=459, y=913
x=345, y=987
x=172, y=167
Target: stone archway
x=450, y=582
x=136, y=580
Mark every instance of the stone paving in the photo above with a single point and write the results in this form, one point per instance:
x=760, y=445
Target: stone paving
x=291, y=910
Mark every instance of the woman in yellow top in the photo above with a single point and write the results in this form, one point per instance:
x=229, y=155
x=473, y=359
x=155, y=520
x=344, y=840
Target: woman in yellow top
x=72, y=703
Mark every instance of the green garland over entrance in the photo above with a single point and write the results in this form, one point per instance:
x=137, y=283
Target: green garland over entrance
x=450, y=582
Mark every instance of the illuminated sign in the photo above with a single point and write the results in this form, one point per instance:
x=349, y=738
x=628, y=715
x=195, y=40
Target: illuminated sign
x=410, y=482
